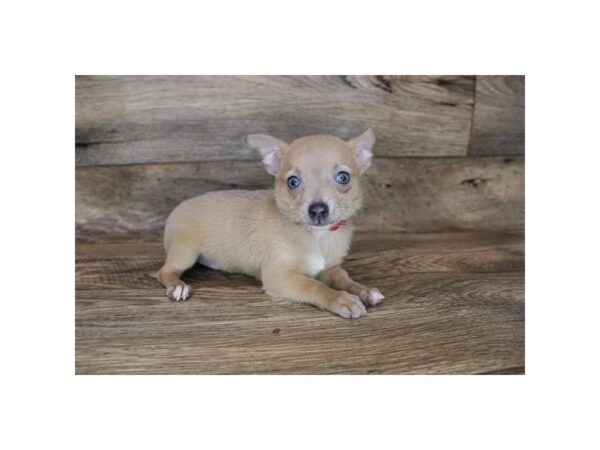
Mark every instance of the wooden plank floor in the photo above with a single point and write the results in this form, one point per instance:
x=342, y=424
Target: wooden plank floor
x=454, y=305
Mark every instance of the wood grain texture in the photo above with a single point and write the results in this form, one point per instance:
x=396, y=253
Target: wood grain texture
x=149, y=119
x=499, y=116
x=404, y=194
x=443, y=314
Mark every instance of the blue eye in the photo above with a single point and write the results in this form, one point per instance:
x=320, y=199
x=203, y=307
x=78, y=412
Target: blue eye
x=293, y=182
x=342, y=178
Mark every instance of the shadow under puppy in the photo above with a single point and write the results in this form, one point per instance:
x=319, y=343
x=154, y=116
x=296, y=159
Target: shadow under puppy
x=293, y=237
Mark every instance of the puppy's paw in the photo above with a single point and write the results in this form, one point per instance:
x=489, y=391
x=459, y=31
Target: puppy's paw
x=181, y=291
x=371, y=297
x=347, y=306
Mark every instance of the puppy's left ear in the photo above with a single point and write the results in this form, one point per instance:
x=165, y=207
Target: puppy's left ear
x=363, y=149
x=270, y=149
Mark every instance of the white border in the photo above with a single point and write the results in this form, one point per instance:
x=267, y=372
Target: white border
x=46, y=43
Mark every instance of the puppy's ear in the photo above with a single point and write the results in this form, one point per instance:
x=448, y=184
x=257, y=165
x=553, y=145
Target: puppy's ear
x=363, y=149
x=270, y=149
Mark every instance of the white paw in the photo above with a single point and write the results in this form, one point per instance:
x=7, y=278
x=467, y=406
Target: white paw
x=179, y=292
x=348, y=306
x=371, y=297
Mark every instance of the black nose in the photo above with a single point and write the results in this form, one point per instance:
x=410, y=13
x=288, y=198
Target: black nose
x=318, y=212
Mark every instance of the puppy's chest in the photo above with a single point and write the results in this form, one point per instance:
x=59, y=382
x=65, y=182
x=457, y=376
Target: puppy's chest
x=327, y=250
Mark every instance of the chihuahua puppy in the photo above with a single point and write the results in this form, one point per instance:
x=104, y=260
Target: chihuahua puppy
x=293, y=238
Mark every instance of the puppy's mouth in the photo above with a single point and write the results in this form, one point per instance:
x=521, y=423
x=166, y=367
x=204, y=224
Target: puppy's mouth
x=330, y=226
x=319, y=223
x=320, y=226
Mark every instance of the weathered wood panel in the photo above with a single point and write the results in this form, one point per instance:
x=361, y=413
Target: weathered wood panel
x=408, y=194
x=431, y=322
x=499, y=116
x=442, y=194
x=147, y=119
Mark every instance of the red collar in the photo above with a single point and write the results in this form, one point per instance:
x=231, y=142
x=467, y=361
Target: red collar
x=336, y=226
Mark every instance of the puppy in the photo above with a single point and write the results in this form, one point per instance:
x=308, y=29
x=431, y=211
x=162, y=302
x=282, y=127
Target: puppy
x=293, y=238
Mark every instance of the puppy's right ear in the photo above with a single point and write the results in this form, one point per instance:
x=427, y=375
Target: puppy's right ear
x=270, y=149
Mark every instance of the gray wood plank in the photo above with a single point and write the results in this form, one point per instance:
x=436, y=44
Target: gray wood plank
x=405, y=194
x=499, y=116
x=243, y=332
x=146, y=119
x=431, y=322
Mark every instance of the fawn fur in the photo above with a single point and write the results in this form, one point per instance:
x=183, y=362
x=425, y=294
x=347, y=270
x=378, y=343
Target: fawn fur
x=293, y=237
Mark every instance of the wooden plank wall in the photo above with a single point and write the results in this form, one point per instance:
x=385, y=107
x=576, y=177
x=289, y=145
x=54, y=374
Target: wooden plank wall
x=449, y=155
x=499, y=116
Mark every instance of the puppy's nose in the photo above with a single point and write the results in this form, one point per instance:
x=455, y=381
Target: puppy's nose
x=318, y=212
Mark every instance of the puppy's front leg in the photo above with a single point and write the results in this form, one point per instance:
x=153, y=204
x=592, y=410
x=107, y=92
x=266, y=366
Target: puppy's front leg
x=338, y=278
x=295, y=286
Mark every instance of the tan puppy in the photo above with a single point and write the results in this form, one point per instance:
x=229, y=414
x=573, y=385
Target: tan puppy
x=293, y=238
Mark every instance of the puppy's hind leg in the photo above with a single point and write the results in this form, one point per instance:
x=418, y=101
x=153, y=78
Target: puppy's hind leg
x=180, y=257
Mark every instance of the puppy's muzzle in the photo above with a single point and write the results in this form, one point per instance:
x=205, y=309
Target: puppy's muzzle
x=318, y=213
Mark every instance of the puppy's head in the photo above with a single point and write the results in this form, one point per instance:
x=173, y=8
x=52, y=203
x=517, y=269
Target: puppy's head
x=317, y=178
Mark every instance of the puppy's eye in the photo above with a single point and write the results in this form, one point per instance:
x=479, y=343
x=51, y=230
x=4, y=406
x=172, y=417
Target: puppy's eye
x=293, y=182
x=342, y=178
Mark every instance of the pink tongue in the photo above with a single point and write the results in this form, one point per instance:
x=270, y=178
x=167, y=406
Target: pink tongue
x=335, y=226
